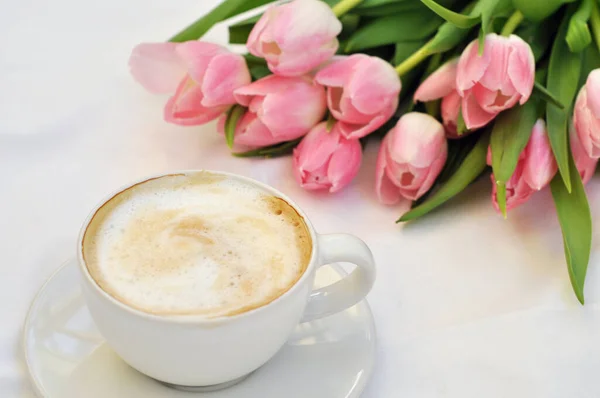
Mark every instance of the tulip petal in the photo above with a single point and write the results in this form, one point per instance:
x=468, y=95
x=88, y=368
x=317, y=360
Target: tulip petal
x=540, y=165
x=471, y=66
x=339, y=72
x=224, y=74
x=498, y=50
x=387, y=192
x=157, y=67
x=416, y=140
x=185, y=106
x=266, y=85
x=592, y=86
x=197, y=55
x=316, y=147
x=344, y=164
x=450, y=108
x=439, y=84
x=521, y=67
x=373, y=86
x=473, y=115
x=251, y=132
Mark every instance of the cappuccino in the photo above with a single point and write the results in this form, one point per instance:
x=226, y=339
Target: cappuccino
x=196, y=244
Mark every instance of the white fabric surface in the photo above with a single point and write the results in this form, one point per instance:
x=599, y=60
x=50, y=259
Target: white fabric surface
x=466, y=304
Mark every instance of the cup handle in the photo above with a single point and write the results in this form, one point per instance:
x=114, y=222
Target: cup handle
x=349, y=290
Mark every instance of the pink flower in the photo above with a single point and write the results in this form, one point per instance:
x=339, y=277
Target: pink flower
x=411, y=157
x=362, y=93
x=202, y=75
x=279, y=109
x=586, y=116
x=496, y=80
x=585, y=164
x=535, y=168
x=326, y=160
x=295, y=37
x=442, y=84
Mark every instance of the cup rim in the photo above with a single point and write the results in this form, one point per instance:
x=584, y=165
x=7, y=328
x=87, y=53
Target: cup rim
x=193, y=319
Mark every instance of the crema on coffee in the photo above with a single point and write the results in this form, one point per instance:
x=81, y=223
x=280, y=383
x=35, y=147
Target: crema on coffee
x=196, y=244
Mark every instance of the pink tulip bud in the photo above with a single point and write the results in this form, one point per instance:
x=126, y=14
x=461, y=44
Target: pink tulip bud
x=362, y=93
x=326, y=160
x=295, y=37
x=411, y=157
x=586, y=116
x=496, y=80
x=535, y=169
x=202, y=75
x=279, y=109
x=585, y=164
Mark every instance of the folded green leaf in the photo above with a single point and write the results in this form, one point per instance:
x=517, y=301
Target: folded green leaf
x=460, y=20
x=546, y=95
x=538, y=36
x=405, y=49
x=563, y=76
x=233, y=116
x=473, y=165
x=537, y=10
x=510, y=135
x=449, y=35
x=405, y=27
x=223, y=11
x=573, y=212
x=270, y=151
x=578, y=33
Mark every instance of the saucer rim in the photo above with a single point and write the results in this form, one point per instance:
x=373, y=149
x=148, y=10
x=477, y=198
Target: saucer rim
x=41, y=392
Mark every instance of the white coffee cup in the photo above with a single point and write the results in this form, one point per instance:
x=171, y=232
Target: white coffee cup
x=193, y=351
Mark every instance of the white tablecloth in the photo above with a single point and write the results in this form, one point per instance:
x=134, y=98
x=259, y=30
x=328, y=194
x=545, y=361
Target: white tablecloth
x=466, y=304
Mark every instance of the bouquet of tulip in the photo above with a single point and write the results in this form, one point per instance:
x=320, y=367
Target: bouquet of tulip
x=503, y=85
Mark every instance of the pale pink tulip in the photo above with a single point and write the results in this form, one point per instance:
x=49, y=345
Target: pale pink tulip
x=442, y=84
x=279, y=109
x=411, y=157
x=535, y=169
x=585, y=164
x=201, y=75
x=326, y=160
x=496, y=80
x=362, y=93
x=586, y=116
x=295, y=37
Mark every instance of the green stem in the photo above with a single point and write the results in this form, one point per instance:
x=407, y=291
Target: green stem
x=595, y=23
x=344, y=6
x=513, y=22
x=415, y=59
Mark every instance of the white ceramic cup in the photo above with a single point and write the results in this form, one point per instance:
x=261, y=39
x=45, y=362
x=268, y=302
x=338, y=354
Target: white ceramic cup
x=189, y=351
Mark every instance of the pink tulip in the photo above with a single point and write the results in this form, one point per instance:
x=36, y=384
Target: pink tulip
x=535, y=169
x=442, y=84
x=202, y=75
x=585, y=164
x=586, y=116
x=326, y=160
x=279, y=109
x=362, y=93
x=411, y=157
x=295, y=37
x=496, y=80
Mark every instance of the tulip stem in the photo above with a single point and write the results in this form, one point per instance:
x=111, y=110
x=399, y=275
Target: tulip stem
x=344, y=6
x=513, y=22
x=415, y=59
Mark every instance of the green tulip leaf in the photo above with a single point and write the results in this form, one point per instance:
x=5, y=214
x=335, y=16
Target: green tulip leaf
x=578, y=34
x=272, y=151
x=546, y=95
x=510, y=135
x=239, y=32
x=573, y=212
x=459, y=20
x=563, y=76
x=472, y=166
x=233, y=116
x=223, y=11
x=537, y=10
x=405, y=27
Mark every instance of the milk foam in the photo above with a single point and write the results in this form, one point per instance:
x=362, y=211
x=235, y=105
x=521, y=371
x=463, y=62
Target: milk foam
x=201, y=244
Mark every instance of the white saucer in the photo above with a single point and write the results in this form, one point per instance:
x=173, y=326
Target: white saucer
x=67, y=357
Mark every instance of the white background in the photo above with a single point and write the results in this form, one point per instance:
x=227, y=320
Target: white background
x=466, y=304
